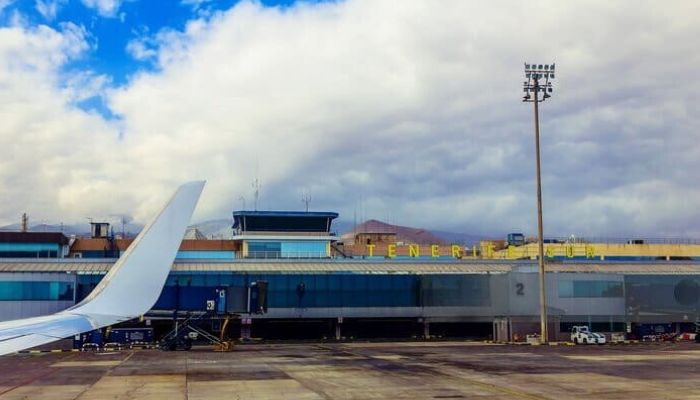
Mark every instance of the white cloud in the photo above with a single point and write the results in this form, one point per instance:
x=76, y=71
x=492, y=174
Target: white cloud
x=410, y=113
x=106, y=8
x=44, y=142
x=141, y=49
x=200, y=8
x=84, y=85
x=48, y=8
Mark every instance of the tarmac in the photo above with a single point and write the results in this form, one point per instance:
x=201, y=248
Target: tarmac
x=404, y=370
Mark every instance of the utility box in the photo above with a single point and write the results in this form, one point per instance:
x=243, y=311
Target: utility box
x=617, y=337
x=93, y=338
x=131, y=335
x=533, y=339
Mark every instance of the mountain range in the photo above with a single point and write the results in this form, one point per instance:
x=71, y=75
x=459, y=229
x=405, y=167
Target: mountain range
x=221, y=229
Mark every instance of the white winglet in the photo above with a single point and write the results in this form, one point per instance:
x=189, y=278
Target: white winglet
x=129, y=290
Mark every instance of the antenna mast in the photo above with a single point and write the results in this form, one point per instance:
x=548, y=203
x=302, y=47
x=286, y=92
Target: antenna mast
x=306, y=199
x=256, y=193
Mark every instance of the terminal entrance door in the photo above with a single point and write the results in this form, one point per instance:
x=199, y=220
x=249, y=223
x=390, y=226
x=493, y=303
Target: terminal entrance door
x=501, y=329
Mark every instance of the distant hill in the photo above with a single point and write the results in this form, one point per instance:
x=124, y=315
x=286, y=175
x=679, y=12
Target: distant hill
x=340, y=226
x=221, y=229
x=67, y=229
x=403, y=233
x=459, y=238
x=409, y=234
x=215, y=228
x=130, y=229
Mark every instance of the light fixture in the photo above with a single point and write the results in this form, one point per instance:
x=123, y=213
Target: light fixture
x=533, y=85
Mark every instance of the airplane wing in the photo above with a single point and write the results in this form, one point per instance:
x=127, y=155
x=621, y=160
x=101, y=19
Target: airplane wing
x=129, y=289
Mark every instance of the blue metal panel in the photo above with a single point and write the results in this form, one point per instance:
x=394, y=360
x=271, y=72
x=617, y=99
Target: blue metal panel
x=190, y=291
x=29, y=247
x=92, y=254
x=30, y=250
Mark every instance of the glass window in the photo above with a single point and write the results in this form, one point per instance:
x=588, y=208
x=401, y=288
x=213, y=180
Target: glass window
x=455, y=290
x=261, y=249
x=304, y=249
x=566, y=289
x=579, y=289
x=19, y=291
x=663, y=294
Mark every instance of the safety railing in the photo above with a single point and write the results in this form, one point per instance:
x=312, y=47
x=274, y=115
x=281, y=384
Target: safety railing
x=287, y=254
x=618, y=240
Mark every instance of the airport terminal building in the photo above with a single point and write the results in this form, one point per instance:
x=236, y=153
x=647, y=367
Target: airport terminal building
x=321, y=286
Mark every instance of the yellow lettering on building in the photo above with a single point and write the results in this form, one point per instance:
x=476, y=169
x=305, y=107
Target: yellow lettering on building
x=413, y=250
x=435, y=251
x=455, y=251
x=570, y=251
x=391, y=251
x=370, y=249
x=474, y=251
x=510, y=251
x=489, y=250
x=549, y=251
x=590, y=252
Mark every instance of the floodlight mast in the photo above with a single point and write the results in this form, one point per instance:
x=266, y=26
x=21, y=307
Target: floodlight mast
x=534, y=73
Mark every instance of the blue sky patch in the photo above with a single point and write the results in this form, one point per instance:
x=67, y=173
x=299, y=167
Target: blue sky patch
x=109, y=35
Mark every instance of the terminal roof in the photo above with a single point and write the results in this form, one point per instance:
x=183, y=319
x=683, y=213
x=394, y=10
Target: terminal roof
x=323, y=214
x=33, y=237
x=282, y=221
x=84, y=266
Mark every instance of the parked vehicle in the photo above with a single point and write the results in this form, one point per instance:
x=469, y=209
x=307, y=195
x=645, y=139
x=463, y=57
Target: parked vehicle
x=515, y=239
x=581, y=335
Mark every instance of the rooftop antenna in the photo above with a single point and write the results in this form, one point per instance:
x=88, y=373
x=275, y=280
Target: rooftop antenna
x=306, y=199
x=90, y=220
x=25, y=222
x=123, y=227
x=256, y=193
x=354, y=221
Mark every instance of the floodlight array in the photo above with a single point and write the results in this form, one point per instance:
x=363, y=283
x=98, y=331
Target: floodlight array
x=539, y=71
x=534, y=73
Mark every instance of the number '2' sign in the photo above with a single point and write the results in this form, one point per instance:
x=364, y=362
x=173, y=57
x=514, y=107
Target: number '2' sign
x=519, y=289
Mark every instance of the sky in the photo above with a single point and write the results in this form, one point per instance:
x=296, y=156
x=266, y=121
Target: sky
x=409, y=112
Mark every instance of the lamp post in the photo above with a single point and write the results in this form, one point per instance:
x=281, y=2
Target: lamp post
x=532, y=87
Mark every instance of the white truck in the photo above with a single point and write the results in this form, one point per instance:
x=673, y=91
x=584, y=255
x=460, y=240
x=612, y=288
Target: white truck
x=581, y=335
